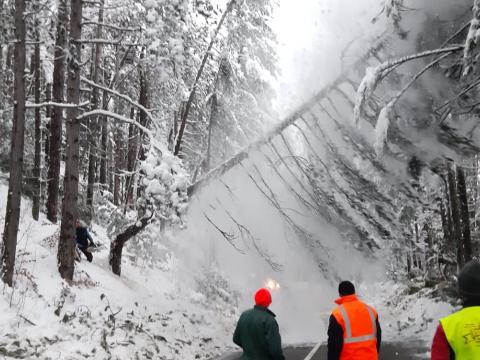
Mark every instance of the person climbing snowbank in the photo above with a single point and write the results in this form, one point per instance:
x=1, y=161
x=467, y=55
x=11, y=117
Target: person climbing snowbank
x=84, y=239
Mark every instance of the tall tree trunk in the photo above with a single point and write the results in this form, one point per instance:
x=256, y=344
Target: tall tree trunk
x=131, y=160
x=183, y=123
x=38, y=134
x=455, y=209
x=105, y=144
x=94, y=122
x=14, y=196
x=103, y=159
x=144, y=101
x=118, y=166
x=213, y=115
x=464, y=214
x=111, y=164
x=48, y=116
x=55, y=147
x=2, y=41
x=142, y=116
x=66, y=246
x=444, y=219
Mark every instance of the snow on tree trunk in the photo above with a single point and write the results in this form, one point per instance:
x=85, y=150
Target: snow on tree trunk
x=465, y=215
x=95, y=121
x=14, y=196
x=118, y=166
x=131, y=161
x=38, y=134
x=103, y=157
x=46, y=132
x=455, y=212
x=66, y=244
x=116, y=246
x=381, y=128
x=472, y=40
x=58, y=89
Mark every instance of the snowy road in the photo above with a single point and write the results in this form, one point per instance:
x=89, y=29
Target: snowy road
x=389, y=352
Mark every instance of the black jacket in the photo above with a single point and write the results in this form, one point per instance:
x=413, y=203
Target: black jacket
x=83, y=238
x=335, y=338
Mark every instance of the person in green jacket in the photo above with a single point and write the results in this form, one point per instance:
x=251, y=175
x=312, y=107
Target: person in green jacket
x=257, y=331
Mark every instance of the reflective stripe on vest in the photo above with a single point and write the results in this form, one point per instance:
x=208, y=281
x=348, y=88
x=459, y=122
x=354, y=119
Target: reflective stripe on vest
x=462, y=330
x=348, y=337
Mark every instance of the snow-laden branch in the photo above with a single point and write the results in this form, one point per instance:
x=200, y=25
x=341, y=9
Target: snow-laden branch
x=289, y=120
x=387, y=112
x=123, y=97
x=207, y=54
x=100, y=112
x=472, y=40
x=54, y=104
x=376, y=74
x=111, y=26
x=107, y=42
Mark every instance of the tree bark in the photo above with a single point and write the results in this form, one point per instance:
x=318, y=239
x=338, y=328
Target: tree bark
x=118, y=166
x=66, y=246
x=144, y=101
x=116, y=246
x=38, y=134
x=142, y=116
x=464, y=214
x=444, y=219
x=48, y=116
x=213, y=115
x=455, y=209
x=131, y=160
x=58, y=89
x=2, y=41
x=14, y=196
x=94, y=122
x=103, y=159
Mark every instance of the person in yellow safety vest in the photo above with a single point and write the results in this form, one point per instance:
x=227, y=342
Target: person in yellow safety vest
x=458, y=335
x=354, y=331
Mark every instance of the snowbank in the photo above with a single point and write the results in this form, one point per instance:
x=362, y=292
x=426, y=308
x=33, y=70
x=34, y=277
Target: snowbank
x=145, y=314
x=187, y=305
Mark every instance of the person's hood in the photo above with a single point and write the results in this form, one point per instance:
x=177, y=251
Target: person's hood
x=345, y=299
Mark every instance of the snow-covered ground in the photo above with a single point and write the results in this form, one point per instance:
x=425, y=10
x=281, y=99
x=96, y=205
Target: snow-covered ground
x=145, y=314
x=186, y=306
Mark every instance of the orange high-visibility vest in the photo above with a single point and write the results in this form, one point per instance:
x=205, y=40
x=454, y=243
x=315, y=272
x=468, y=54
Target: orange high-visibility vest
x=359, y=323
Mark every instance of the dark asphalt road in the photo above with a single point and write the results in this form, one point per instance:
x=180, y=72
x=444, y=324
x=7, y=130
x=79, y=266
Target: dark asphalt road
x=388, y=352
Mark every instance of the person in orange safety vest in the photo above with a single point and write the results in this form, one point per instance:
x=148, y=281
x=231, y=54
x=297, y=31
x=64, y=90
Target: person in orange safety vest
x=354, y=331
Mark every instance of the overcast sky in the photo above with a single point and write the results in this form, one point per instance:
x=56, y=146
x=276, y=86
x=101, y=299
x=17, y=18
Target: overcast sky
x=312, y=35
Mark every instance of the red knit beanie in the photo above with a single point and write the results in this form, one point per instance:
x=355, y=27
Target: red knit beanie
x=263, y=298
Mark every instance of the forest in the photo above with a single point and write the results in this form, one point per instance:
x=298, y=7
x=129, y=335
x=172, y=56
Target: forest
x=157, y=123
x=123, y=109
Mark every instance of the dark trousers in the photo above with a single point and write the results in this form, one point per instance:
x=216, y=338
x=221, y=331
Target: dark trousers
x=87, y=253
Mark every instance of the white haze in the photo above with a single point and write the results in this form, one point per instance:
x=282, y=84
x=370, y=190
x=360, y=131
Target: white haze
x=312, y=35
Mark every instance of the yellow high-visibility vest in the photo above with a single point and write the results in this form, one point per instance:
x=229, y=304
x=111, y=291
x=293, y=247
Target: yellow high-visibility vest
x=462, y=330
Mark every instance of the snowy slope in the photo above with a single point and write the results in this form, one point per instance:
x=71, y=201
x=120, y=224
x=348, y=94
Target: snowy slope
x=186, y=306
x=145, y=314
